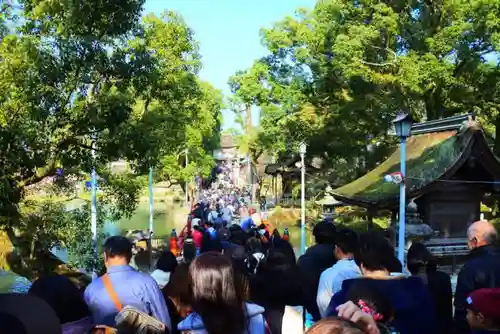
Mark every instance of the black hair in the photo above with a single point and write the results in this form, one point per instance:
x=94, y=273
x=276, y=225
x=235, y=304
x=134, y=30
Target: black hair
x=216, y=291
x=375, y=253
x=211, y=245
x=178, y=287
x=118, y=246
x=238, y=237
x=11, y=324
x=284, y=247
x=189, y=251
x=420, y=258
x=254, y=245
x=347, y=241
x=62, y=296
x=324, y=233
x=363, y=290
x=167, y=262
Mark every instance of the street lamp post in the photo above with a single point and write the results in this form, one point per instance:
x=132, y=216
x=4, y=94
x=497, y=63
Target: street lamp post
x=187, y=180
x=151, y=200
x=302, y=151
x=402, y=124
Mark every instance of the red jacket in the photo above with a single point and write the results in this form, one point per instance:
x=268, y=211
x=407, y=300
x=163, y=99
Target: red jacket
x=197, y=238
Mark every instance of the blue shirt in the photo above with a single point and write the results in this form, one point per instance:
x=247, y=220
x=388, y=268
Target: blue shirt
x=133, y=288
x=247, y=223
x=331, y=280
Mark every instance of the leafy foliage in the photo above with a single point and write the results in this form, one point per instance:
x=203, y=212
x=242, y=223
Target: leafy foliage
x=102, y=82
x=336, y=75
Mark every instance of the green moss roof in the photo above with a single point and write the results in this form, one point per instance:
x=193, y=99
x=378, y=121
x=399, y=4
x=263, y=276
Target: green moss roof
x=428, y=156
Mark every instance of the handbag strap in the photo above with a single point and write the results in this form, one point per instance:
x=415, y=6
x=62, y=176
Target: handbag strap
x=111, y=292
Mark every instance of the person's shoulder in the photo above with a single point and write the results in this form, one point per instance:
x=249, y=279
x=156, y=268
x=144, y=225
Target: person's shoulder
x=139, y=277
x=441, y=275
x=327, y=272
x=94, y=288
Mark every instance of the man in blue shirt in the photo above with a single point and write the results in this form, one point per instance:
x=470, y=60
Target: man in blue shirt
x=132, y=288
x=247, y=223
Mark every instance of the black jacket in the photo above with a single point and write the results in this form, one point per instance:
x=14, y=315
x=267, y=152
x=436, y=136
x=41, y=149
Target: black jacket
x=316, y=259
x=481, y=271
x=439, y=285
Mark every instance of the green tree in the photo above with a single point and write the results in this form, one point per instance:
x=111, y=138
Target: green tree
x=337, y=74
x=189, y=109
x=75, y=84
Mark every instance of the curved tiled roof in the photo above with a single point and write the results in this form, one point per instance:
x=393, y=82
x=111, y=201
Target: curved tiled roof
x=430, y=156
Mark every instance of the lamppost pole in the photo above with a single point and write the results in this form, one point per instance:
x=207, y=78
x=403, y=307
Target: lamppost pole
x=302, y=151
x=187, y=181
x=93, y=205
x=402, y=125
x=402, y=205
x=151, y=201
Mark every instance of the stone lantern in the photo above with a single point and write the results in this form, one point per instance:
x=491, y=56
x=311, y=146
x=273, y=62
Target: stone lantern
x=416, y=230
x=328, y=204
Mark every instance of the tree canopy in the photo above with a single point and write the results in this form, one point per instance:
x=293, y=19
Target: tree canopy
x=104, y=82
x=336, y=75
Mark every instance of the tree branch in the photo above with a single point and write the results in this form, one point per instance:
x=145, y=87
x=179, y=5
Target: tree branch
x=40, y=174
x=381, y=64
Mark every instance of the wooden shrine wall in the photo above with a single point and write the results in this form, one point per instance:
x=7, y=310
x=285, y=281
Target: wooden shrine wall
x=451, y=208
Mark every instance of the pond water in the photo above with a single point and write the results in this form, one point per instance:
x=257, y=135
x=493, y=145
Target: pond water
x=168, y=215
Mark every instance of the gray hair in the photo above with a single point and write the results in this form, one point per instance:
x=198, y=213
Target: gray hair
x=490, y=237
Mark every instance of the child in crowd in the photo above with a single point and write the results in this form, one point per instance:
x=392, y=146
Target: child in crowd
x=483, y=311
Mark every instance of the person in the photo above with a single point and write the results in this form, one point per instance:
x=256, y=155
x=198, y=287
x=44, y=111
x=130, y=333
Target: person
x=198, y=236
x=176, y=294
x=210, y=229
x=421, y=263
x=218, y=299
x=247, y=222
x=122, y=285
x=255, y=250
x=215, y=218
x=227, y=216
x=27, y=314
x=317, y=259
x=277, y=284
x=483, y=311
x=377, y=305
x=330, y=282
x=66, y=300
x=165, y=266
x=480, y=271
x=412, y=303
x=335, y=325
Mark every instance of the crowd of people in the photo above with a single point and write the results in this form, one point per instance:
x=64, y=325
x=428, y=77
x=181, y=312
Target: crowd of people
x=251, y=282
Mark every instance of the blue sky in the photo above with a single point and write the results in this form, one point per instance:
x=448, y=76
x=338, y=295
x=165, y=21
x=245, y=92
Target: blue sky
x=228, y=32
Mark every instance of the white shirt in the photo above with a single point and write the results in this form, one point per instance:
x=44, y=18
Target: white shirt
x=331, y=280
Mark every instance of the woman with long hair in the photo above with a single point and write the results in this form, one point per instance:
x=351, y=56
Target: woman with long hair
x=177, y=298
x=217, y=296
x=277, y=285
